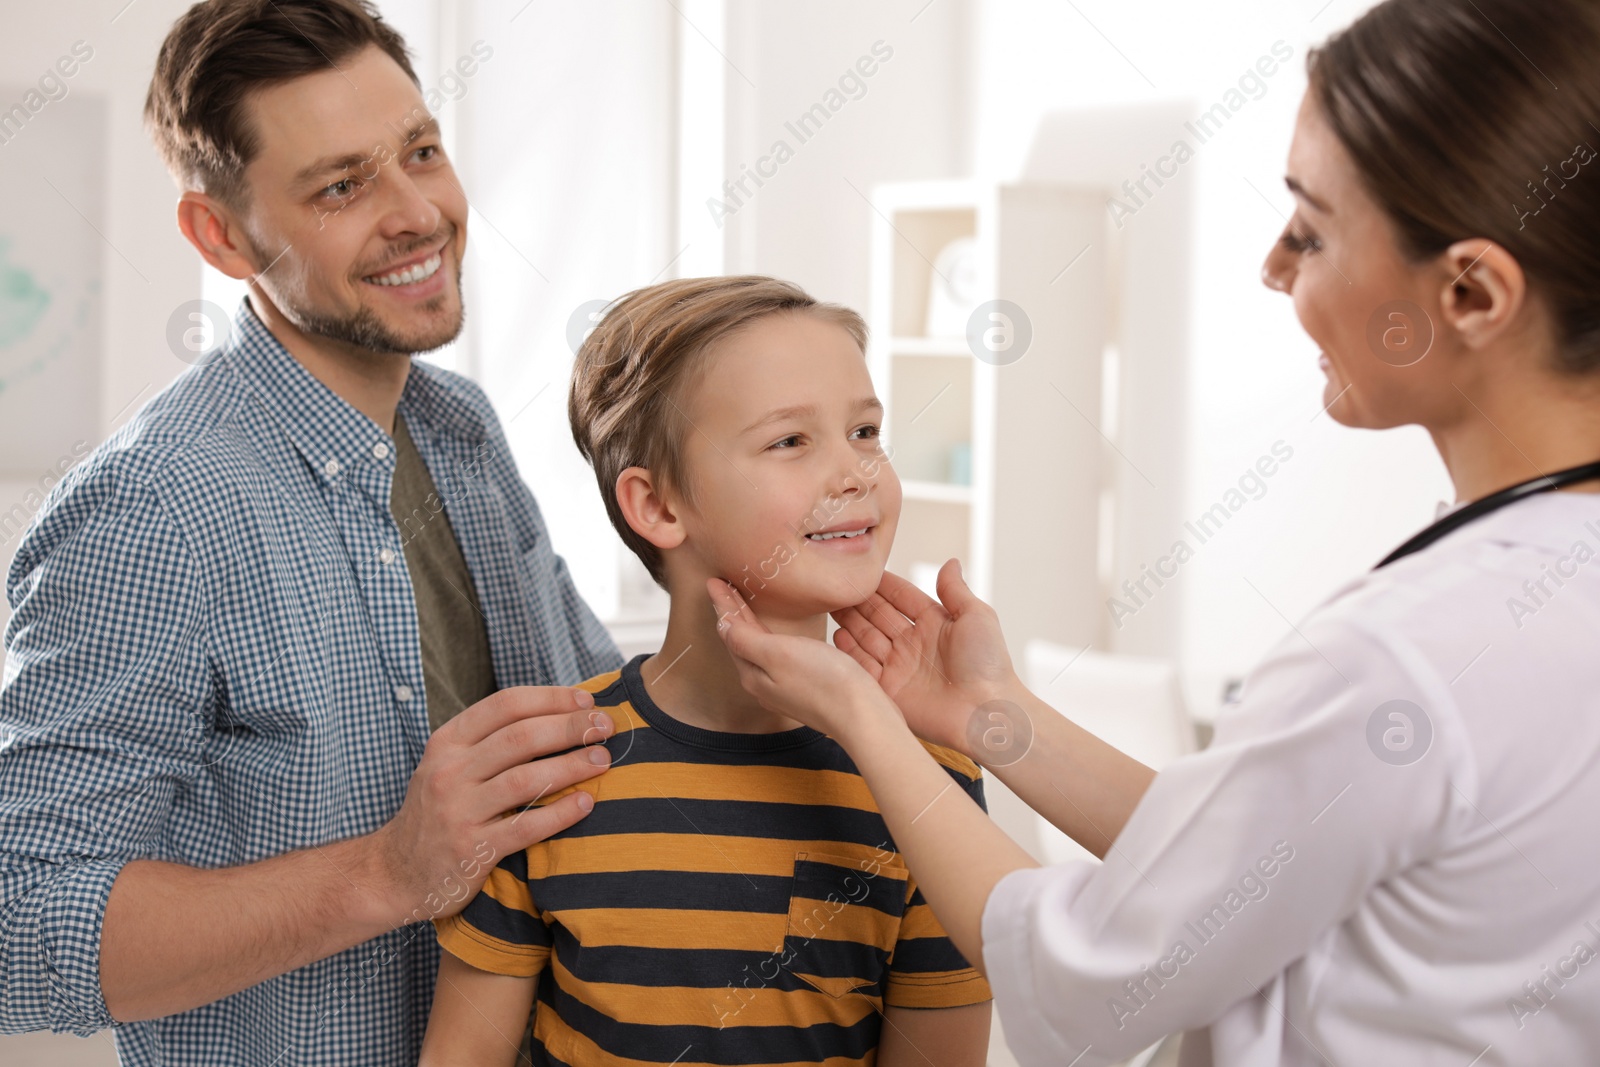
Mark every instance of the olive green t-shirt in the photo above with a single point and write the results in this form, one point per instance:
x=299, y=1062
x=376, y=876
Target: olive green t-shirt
x=456, y=669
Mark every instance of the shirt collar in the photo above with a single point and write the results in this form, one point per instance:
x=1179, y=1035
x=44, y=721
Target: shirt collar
x=327, y=430
x=428, y=395
x=1553, y=521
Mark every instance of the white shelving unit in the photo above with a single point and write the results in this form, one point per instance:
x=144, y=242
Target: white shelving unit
x=1025, y=523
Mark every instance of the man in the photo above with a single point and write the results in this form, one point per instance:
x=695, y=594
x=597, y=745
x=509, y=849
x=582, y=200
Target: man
x=234, y=785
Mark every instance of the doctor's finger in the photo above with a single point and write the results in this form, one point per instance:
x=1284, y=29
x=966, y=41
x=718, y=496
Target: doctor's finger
x=888, y=618
x=848, y=645
x=750, y=657
x=747, y=643
x=730, y=606
x=906, y=598
x=743, y=634
x=864, y=633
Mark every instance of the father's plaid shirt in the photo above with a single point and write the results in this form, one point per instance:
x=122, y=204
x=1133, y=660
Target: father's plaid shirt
x=214, y=658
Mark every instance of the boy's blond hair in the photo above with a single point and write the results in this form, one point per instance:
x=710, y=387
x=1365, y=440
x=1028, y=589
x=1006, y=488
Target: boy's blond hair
x=634, y=371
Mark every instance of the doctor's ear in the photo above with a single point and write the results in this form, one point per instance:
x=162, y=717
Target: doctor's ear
x=648, y=510
x=1485, y=291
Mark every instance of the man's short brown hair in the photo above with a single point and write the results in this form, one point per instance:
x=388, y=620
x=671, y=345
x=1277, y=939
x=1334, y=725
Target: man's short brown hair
x=221, y=51
x=634, y=371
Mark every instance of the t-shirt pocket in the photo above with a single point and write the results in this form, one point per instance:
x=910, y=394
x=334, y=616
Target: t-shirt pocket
x=843, y=923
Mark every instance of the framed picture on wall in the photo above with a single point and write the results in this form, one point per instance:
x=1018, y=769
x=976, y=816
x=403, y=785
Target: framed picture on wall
x=53, y=257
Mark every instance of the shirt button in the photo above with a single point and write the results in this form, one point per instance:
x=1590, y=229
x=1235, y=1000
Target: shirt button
x=402, y=693
x=331, y=468
x=380, y=450
x=386, y=556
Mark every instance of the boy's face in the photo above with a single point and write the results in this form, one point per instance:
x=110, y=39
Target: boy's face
x=784, y=446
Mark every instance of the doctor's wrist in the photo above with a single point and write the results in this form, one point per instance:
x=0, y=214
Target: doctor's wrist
x=1000, y=723
x=871, y=718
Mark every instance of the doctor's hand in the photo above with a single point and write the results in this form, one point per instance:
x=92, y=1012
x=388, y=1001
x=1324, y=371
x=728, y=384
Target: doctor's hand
x=800, y=677
x=937, y=661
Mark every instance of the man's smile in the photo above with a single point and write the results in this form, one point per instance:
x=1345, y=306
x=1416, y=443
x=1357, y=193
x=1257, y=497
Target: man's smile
x=410, y=274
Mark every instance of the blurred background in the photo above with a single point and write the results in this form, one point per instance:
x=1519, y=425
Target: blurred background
x=1053, y=213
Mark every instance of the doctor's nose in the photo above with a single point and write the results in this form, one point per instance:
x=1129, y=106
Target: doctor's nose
x=1278, y=269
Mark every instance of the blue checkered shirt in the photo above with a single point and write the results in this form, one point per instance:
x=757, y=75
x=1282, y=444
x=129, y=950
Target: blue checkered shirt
x=214, y=660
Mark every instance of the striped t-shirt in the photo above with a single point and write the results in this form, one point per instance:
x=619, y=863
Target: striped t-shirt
x=731, y=899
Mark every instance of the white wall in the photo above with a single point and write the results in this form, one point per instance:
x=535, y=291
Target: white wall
x=810, y=222
x=148, y=269
x=566, y=149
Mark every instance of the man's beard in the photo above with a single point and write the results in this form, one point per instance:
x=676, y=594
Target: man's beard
x=365, y=330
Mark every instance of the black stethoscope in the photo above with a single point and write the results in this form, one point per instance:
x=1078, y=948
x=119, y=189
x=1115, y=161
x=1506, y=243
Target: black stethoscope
x=1493, y=502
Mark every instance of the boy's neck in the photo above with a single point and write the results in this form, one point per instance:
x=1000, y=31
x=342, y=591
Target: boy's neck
x=694, y=679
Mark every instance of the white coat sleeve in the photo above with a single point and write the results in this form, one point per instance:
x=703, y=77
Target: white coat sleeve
x=1238, y=857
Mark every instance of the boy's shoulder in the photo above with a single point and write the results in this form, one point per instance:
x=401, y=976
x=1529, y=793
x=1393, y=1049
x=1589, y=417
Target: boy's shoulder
x=954, y=761
x=610, y=690
x=602, y=685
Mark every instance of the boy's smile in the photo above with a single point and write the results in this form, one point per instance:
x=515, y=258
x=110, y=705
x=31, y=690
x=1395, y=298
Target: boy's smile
x=856, y=540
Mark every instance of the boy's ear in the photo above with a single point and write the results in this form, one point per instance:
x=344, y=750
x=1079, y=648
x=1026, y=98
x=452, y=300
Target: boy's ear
x=648, y=512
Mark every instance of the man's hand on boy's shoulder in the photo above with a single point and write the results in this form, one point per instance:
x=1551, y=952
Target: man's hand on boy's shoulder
x=492, y=759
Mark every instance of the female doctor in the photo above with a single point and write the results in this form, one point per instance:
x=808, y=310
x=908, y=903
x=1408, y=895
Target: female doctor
x=1387, y=855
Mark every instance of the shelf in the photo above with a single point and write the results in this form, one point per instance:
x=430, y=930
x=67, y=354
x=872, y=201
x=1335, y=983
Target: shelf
x=1018, y=535
x=937, y=492
x=916, y=238
x=930, y=346
x=929, y=400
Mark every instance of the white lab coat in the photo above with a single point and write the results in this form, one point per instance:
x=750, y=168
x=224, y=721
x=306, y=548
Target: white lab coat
x=1321, y=885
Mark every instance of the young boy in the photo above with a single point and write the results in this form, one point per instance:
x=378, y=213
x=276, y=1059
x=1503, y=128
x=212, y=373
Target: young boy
x=733, y=897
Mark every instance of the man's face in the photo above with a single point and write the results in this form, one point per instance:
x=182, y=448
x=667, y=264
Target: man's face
x=353, y=211
x=794, y=500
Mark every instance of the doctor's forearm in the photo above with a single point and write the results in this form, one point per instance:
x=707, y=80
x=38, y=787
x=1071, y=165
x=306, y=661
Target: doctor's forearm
x=955, y=853
x=1085, y=787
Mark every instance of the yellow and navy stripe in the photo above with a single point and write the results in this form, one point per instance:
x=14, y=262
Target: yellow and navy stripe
x=731, y=899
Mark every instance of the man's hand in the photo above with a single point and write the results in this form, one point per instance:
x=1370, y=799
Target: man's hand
x=437, y=851
x=177, y=937
x=937, y=662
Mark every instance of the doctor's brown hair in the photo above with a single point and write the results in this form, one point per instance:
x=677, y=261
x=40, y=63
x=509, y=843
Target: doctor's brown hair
x=635, y=371
x=1459, y=131
x=220, y=51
